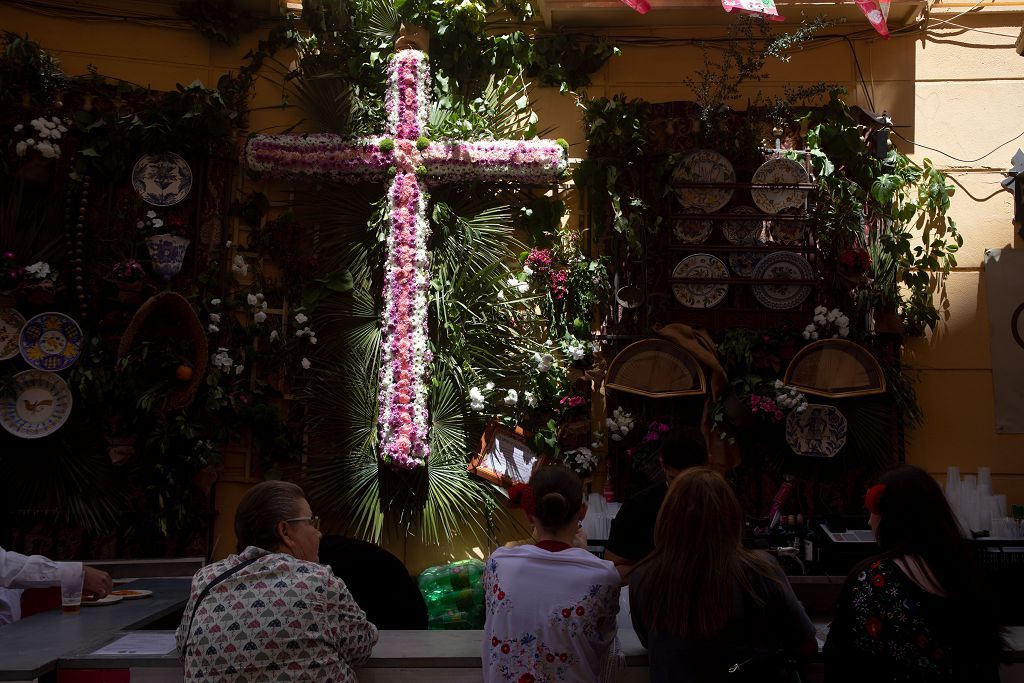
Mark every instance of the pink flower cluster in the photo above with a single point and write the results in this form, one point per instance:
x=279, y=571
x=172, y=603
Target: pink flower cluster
x=318, y=155
x=406, y=100
x=763, y=404
x=539, y=260
x=406, y=358
x=524, y=161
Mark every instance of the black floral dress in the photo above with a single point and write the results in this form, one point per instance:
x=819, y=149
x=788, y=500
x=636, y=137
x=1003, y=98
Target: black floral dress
x=887, y=628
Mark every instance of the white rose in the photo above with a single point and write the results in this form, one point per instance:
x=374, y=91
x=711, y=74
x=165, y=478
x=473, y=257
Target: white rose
x=300, y=318
x=213, y=329
x=215, y=318
x=530, y=398
x=305, y=363
x=251, y=299
x=273, y=335
x=512, y=397
x=215, y=302
x=260, y=317
x=239, y=368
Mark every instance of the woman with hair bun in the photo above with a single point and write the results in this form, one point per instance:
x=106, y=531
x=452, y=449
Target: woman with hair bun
x=920, y=610
x=551, y=607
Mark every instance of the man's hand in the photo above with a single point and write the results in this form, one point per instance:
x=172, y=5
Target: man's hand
x=97, y=582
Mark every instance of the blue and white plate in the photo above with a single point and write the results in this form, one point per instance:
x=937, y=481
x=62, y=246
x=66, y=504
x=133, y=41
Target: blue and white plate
x=819, y=431
x=783, y=266
x=162, y=179
x=42, y=403
x=51, y=342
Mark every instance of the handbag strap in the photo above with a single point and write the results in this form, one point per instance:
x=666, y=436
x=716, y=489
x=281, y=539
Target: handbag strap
x=206, y=590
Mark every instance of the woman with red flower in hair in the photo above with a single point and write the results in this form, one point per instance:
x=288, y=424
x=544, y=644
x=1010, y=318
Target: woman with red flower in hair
x=919, y=610
x=551, y=605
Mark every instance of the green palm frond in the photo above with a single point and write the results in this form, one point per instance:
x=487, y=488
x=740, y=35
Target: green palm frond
x=509, y=113
x=73, y=487
x=327, y=101
x=380, y=20
x=871, y=432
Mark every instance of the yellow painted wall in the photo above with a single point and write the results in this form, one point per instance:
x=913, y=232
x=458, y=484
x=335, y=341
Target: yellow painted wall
x=959, y=89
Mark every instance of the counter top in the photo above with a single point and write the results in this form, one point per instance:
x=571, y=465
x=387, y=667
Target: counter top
x=395, y=649
x=31, y=647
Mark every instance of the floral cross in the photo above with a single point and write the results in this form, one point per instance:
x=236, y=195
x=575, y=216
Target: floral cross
x=415, y=163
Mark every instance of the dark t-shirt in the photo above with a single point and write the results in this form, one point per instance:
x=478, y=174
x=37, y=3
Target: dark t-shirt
x=378, y=581
x=781, y=624
x=632, y=531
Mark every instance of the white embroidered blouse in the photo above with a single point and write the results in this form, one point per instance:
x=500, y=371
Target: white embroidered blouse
x=550, y=615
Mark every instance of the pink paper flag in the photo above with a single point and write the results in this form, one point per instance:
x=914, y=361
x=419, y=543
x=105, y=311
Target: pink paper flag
x=873, y=11
x=765, y=8
x=641, y=6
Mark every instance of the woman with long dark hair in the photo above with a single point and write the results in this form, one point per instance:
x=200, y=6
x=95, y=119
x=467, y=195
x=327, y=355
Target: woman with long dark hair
x=918, y=611
x=550, y=606
x=701, y=603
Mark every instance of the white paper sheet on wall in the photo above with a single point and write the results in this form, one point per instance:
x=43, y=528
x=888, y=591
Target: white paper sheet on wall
x=1004, y=282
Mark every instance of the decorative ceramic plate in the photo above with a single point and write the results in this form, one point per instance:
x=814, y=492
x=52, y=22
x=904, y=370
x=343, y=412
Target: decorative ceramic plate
x=782, y=265
x=743, y=263
x=779, y=172
x=51, y=342
x=741, y=230
x=705, y=294
x=41, y=405
x=162, y=179
x=704, y=166
x=99, y=602
x=788, y=232
x=691, y=231
x=11, y=323
x=819, y=431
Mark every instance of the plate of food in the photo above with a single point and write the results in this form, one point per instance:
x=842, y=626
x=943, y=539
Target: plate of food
x=41, y=403
x=162, y=179
x=99, y=602
x=700, y=294
x=51, y=342
x=704, y=166
x=131, y=593
x=11, y=323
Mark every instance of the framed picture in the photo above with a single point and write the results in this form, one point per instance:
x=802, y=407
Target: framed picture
x=505, y=456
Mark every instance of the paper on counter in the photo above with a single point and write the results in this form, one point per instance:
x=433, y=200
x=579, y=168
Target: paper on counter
x=141, y=643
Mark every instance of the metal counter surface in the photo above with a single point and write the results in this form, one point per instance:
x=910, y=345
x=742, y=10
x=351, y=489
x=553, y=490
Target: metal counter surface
x=31, y=647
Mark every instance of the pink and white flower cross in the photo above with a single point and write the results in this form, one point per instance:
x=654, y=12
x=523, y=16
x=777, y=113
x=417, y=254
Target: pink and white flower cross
x=416, y=164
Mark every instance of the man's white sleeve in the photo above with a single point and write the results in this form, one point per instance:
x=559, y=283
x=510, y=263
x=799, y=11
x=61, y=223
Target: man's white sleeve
x=29, y=571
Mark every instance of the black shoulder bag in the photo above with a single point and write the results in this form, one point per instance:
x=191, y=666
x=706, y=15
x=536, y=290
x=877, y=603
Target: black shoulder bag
x=206, y=590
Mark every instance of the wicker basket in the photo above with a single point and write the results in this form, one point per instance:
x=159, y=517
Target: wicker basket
x=169, y=316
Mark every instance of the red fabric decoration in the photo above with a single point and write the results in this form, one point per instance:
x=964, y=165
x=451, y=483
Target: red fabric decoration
x=873, y=497
x=873, y=12
x=521, y=496
x=641, y=6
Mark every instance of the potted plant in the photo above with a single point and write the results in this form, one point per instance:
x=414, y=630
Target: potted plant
x=165, y=244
